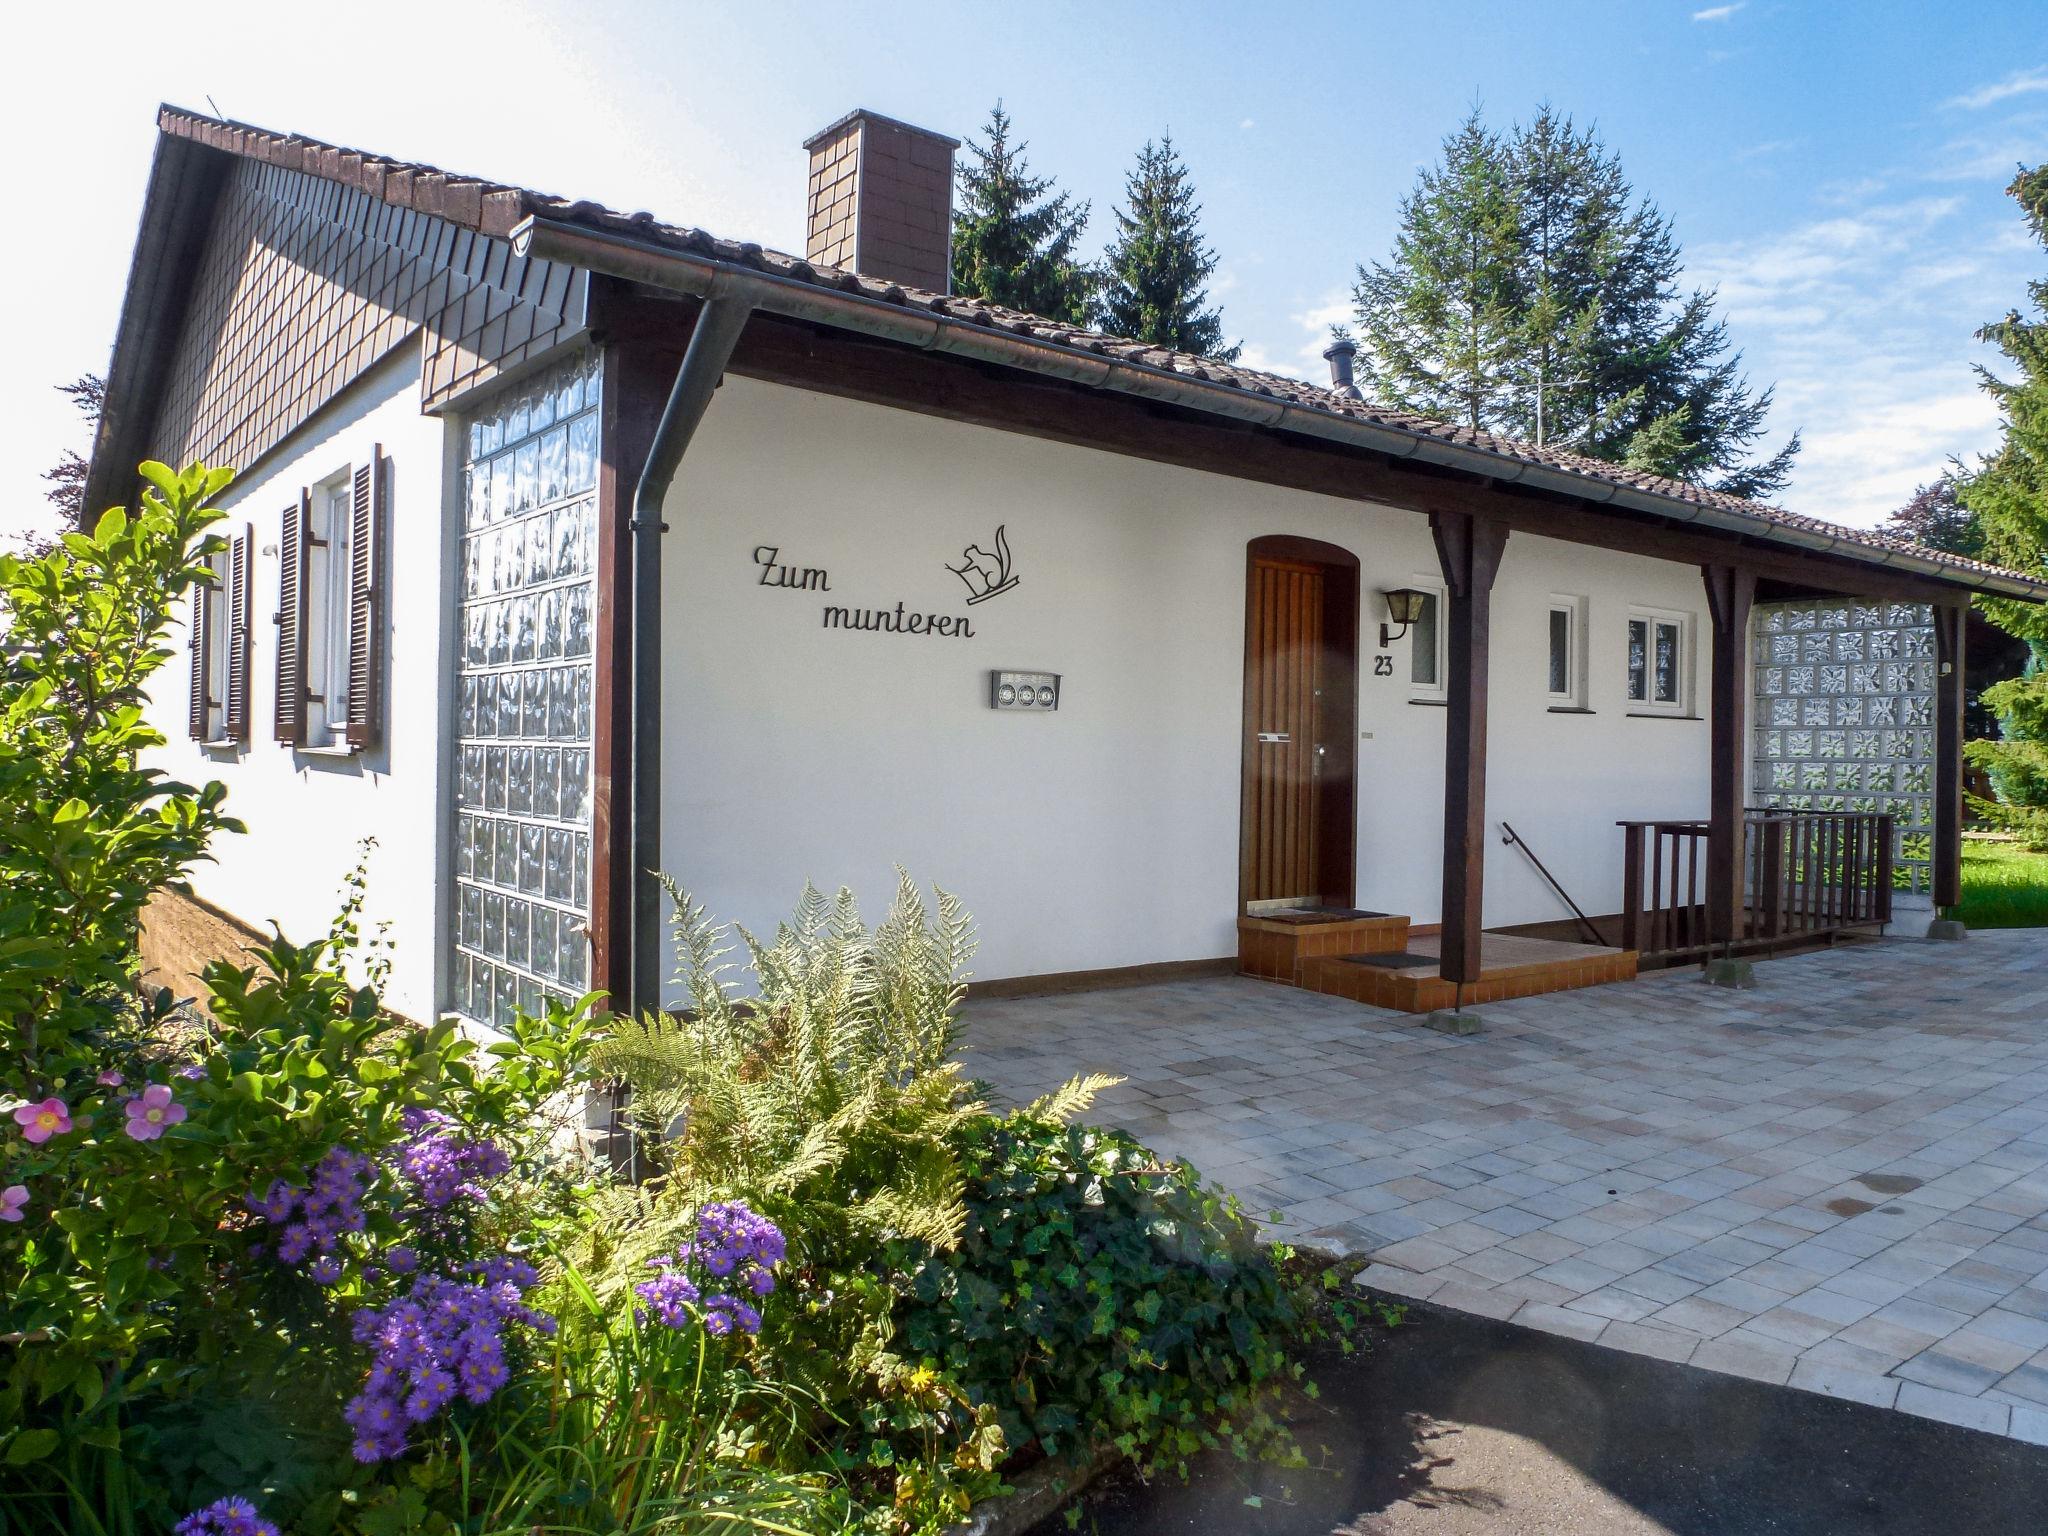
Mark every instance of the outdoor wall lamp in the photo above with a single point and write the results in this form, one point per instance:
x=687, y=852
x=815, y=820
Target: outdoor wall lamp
x=1404, y=607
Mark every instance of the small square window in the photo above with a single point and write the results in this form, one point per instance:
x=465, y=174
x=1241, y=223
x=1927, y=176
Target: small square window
x=1659, y=662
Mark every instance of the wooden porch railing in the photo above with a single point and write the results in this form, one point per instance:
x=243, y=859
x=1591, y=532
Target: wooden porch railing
x=1806, y=874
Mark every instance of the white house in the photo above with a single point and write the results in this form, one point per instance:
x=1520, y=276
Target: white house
x=567, y=545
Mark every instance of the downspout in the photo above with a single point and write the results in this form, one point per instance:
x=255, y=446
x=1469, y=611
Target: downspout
x=718, y=327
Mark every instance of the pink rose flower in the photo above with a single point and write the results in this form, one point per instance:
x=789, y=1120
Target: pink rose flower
x=12, y=1199
x=39, y=1122
x=153, y=1113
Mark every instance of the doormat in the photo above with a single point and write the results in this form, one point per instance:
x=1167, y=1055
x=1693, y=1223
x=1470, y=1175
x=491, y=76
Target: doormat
x=1306, y=915
x=1391, y=962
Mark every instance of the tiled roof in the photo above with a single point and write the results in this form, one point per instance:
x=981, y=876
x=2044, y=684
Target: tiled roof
x=496, y=208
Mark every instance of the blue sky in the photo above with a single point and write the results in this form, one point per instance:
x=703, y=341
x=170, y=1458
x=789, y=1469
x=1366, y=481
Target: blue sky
x=1836, y=171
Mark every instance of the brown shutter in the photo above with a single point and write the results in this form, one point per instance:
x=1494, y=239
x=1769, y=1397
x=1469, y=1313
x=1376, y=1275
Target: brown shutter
x=289, y=716
x=202, y=622
x=240, y=560
x=366, y=603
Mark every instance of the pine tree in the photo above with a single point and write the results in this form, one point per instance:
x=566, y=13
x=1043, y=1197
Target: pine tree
x=1014, y=234
x=2009, y=495
x=1565, y=323
x=1439, y=321
x=1158, y=268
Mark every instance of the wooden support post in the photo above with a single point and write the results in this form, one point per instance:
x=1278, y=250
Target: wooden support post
x=1469, y=549
x=1731, y=593
x=1948, y=755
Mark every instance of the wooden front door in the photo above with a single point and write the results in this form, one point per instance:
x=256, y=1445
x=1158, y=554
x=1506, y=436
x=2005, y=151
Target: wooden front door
x=1301, y=635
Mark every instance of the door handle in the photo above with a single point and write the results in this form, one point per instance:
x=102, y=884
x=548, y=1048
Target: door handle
x=1274, y=736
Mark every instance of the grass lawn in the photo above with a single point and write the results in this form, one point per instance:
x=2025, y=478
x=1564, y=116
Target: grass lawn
x=2004, y=886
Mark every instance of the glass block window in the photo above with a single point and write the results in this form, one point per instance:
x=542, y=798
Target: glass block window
x=1859, y=679
x=525, y=682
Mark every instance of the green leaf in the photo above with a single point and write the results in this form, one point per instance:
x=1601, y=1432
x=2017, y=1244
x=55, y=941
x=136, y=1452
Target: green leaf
x=31, y=1445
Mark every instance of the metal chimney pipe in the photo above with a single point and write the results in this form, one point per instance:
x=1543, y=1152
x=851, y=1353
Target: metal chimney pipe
x=1339, y=354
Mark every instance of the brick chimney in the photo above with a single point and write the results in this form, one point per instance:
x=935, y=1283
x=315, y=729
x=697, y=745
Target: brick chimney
x=881, y=200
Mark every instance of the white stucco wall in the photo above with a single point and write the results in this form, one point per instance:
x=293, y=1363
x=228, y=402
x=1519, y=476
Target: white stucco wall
x=1105, y=834
x=306, y=812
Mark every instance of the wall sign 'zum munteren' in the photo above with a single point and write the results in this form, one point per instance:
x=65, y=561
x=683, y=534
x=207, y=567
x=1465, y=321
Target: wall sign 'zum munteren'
x=985, y=574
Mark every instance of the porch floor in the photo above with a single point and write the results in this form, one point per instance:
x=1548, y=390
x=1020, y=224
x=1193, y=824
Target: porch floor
x=1510, y=966
x=1837, y=1181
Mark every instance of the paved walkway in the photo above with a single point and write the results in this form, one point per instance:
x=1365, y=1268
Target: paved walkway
x=1839, y=1180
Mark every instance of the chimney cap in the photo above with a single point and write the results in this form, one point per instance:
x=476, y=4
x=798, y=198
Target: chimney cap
x=864, y=114
x=1341, y=346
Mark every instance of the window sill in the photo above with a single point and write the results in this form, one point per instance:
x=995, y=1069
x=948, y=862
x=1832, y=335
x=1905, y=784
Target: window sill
x=331, y=751
x=1661, y=714
x=221, y=744
x=1572, y=709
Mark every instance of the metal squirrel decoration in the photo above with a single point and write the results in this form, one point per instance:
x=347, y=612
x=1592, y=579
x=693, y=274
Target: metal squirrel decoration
x=985, y=575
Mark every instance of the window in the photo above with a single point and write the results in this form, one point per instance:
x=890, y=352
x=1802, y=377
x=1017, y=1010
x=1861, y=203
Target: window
x=1658, y=662
x=1565, y=676
x=1426, y=663
x=219, y=705
x=327, y=605
x=329, y=597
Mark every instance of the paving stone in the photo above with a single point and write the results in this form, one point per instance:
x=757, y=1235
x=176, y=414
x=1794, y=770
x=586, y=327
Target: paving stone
x=1640, y=1339
x=1560, y=1320
x=1738, y=1354
x=1953, y=1408
x=1840, y=1381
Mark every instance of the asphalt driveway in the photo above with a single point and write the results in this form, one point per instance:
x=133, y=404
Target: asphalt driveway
x=1455, y=1425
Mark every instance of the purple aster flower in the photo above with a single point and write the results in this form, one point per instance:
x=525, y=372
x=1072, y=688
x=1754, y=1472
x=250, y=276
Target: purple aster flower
x=225, y=1517
x=731, y=1240
x=326, y=1269
x=400, y=1259
x=444, y=1338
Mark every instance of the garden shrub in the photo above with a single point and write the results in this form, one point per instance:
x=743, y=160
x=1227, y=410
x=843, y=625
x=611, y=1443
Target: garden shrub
x=1102, y=1296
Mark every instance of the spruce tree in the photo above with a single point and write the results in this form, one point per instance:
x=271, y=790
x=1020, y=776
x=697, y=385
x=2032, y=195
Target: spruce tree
x=1157, y=270
x=1532, y=293
x=1439, y=321
x=2009, y=495
x=1014, y=234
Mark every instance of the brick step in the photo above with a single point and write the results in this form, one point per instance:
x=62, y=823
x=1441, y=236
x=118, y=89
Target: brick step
x=1274, y=946
x=1422, y=989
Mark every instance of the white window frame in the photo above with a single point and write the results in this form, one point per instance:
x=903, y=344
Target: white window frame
x=1439, y=595
x=218, y=640
x=1653, y=618
x=328, y=573
x=1573, y=608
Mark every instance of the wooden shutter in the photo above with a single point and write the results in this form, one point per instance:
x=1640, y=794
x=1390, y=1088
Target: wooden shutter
x=293, y=545
x=240, y=557
x=366, y=603
x=202, y=624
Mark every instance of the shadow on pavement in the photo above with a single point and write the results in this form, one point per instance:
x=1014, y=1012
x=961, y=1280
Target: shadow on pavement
x=1460, y=1426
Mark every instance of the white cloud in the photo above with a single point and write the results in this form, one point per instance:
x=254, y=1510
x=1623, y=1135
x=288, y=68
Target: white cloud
x=1719, y=12
x=1862, y=321
x=1248, y=124
x=2024, y=82
x=1299, y=355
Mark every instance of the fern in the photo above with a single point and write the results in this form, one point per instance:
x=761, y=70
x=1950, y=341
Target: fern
x=815, y=1081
